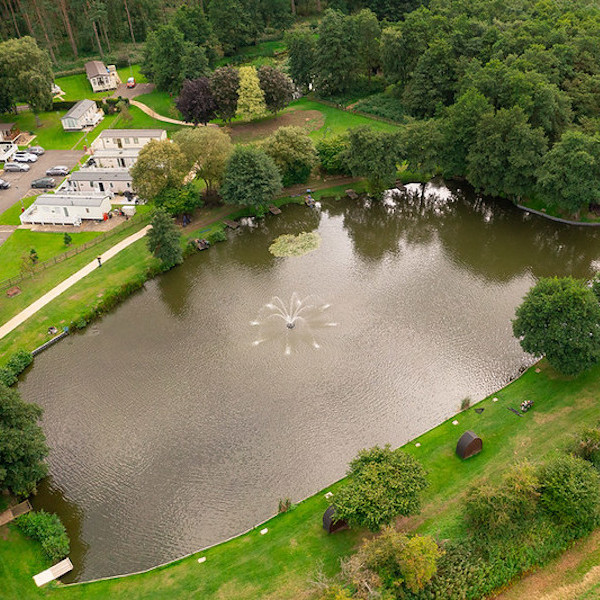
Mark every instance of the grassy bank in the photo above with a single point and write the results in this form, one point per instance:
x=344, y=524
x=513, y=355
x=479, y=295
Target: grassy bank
x=282, y=563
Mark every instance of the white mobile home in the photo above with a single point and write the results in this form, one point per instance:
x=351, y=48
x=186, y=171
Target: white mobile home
x=117, y=139
x=83, y=114
x=67, y=209
x=101, y=77
x=7, y=149
x=115, y=181
x=112, y=159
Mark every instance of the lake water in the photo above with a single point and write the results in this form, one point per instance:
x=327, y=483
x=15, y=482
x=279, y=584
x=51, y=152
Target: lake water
x=170, y=429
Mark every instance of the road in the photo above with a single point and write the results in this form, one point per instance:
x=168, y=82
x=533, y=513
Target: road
x=21, y=182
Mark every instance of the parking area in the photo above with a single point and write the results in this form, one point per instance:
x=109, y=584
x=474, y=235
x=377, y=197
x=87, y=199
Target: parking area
x=20, y=183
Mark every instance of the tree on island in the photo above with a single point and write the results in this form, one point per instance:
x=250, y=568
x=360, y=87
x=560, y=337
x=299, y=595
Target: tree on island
x=293, y=152
x=164, y=240
x=569, y=177
x=277, y=87
x=207, y=149
x=225, y=85
x=22, y=443
x=560, y=319
x=196, y=102
x=160, y=165
x=251, y=178
x=382, y=485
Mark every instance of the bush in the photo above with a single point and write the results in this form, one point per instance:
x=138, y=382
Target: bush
x=47, y=529
x=570, y=492
x=382, y=105
x=382, y=484
x=586, y=445
x=216, y=236
x=16, y=364
x=331, y=152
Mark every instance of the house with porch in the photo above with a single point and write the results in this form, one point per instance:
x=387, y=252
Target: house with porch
x=116, y=139
x=101, y=77
x=112, y=159
x=8, y=132
x=83, y=114
x=67, y=209
x=112, y=181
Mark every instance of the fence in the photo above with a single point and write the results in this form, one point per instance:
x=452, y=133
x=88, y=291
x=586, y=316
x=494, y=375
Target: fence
x=39, y=267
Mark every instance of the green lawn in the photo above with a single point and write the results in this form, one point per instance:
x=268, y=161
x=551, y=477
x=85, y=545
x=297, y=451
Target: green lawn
x=161, y=102
x=50, y=134
x=126, y=72
x=140, y=120
x=11, y=216
x=47, y=245
x=280, y=564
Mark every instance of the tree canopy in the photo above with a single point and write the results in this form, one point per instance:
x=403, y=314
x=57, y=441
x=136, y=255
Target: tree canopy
x=164, y=239
x=293, y=152
x=196, y=102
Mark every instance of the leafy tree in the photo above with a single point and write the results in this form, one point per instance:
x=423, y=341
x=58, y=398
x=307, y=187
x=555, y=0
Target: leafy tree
x=25, y=75
x=163, y=55
x=419, y=144
x=196, y=102
x=160, y=165
x=251, y=178
x=194, y=25
x=336, y=58
x=207, y=150
x=506, y=154
x=67, y=239
x=293, y=152
x=570, y=492
x=560, y=319
x=176, y=201
x=302, y=51
x=382, y=485
x=194, y=62
x=368, y=34
x=392, y=46
x=164, y=240
x=569, y=176
x=251, y=101
x=332, y=151
x=46, y=528
x=22, y=443
x=277, y=87
x=371, y=154
x=225, y=84
x=231, y=24
x=459, y=129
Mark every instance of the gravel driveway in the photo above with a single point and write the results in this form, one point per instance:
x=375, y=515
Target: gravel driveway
x=20, y=182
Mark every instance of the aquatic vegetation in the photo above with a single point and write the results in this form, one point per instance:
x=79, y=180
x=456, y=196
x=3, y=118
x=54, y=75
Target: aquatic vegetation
x=295, y=245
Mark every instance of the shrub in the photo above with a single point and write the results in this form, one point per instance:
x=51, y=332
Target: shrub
x=382, y=105
x=216, y=236
x=382, y=484
x=331, y=151
x=47, y=529
x=16, y=364
x=586, y=445
x=570, y=492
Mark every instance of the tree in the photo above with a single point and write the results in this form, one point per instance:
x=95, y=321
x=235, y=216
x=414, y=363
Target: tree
x=570, y=492
x=419, y=144
x=163, y=54
x=586, y=444
x=194, y=62
x=336, y=58
x=301, y=56
x=277, y=87
x=368, y=34
x=332, y=151
x=392, y=46
x=67, y=239
x=160, y=165
x=164, y=240
x=251, y=101
x=123, y=108
x=207, y=150
x=196, y=102
x=371, y=154
x=225, y=85
x=231, y=24
x=506, y=154
x=251, y=178
x=22, y=443
x=382, y=485
x=25, y=74
x=569, y=177
x=293, y=152
x=178, y=201
x=560, y=319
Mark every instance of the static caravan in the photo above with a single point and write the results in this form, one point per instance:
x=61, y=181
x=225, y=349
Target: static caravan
x=101, y=77
x=7, y=149
x=112, y=159
x=117, y=139
x=67, y=209
x=83, y=114
x=114, y=181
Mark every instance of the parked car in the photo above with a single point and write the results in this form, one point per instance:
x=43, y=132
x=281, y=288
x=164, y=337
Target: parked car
x=24, y=157
x=59, y=170
x=131, y=82
x=37, y=150
x=4, y=185
x=43, y=182
x=16, y=166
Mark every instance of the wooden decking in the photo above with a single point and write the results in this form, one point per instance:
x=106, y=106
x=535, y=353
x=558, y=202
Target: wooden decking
x=231, y=224
x=14, y=511
x=54, y=572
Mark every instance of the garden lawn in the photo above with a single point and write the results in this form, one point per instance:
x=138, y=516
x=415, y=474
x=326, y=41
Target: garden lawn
x=126, y=72
x=47, y=245
x=77, y=87
x=161, y=102
x=11, y=216
x=140, y=120
x=50, y=134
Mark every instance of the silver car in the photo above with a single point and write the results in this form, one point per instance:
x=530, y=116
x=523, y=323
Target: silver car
x=60, y=170
x=15, y=166
x=24, y=157
x=37, y=150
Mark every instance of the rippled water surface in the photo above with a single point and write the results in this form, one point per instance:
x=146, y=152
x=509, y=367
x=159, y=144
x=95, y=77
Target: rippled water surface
x=171, y=430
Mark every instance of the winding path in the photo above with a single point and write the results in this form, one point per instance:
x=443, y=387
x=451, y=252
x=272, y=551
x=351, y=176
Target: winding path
x=70, y=281
x=156, y=116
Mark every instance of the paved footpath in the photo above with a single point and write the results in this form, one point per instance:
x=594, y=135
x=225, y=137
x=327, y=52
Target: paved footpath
x=156, y=116
x=70, y=281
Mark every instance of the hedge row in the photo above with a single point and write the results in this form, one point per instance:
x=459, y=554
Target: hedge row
x=16, y=364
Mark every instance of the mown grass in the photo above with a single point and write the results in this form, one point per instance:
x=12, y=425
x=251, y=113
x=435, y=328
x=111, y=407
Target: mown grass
x=161, y=102
x=282, y=563
x=11, y=216
x=47, y=246
x=50, y=133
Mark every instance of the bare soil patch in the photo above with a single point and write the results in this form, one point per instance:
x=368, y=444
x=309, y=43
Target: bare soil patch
x=310, y=120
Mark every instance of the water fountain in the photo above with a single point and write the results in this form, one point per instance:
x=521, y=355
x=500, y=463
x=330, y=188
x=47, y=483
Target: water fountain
x=304, y=317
